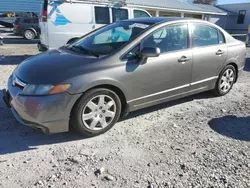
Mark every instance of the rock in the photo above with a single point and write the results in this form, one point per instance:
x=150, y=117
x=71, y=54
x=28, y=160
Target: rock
x=183, y=166
x=175, y=125
x=73, y=160
x=149, y=164
x=99, y=171
x=65, y=183
x=40, y=182
x=109, y=177
x=223, y=110
x=149, y=185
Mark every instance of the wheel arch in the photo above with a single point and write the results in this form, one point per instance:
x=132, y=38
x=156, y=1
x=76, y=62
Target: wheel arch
x=121, y=94
x=236, y=69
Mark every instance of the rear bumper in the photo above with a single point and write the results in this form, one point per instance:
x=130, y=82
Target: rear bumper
x=49, y=113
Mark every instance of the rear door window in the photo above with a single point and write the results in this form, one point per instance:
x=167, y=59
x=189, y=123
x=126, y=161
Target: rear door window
x=119, y=14
x=140, y=14
x=204, y=35
x=102, y=15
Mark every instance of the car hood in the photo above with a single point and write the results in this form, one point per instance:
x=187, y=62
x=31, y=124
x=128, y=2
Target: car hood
x=53, y=67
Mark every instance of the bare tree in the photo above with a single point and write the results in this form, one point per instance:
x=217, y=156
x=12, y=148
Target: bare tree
x=207, y=2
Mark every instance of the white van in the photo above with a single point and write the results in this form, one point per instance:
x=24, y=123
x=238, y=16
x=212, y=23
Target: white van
x=65, y=21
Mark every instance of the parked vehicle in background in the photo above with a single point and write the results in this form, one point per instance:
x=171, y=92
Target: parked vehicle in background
x=63, y=22
x=123, y=67
x=8, y=19
x=28, y=27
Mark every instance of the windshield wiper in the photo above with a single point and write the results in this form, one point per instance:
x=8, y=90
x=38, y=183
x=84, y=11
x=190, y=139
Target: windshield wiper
x=90, y=52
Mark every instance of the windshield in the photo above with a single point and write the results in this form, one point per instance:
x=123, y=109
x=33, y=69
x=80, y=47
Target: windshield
x=110, y=38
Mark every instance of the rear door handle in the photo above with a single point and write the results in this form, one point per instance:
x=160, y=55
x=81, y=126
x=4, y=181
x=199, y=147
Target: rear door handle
x=184, y=59
x=219, y=52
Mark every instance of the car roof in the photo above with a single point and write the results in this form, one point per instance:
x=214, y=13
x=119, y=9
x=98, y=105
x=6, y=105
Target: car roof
x=155, y=20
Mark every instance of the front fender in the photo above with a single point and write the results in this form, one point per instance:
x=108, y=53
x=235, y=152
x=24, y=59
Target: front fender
x=83, y=85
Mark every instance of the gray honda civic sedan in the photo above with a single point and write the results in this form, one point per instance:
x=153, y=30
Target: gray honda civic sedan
x=122, y=67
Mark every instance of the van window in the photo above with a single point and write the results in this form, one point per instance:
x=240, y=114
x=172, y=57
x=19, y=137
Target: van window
x=119, y=14
x=140, y=14
x=102, y=15
x=241, y=17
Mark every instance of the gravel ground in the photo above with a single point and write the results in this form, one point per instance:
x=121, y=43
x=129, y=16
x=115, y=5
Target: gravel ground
x=199, y=141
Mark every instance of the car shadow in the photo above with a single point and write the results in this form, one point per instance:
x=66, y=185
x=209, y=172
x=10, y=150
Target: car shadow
x=247, y=65
x=232, y=126
x=17, y=40
x=19, y=138
x=204, y=95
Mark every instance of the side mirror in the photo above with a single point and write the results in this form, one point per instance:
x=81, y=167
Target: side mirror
x=149, y=52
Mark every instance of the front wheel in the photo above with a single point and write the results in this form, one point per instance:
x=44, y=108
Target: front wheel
x=96, y=112
x=225, y=81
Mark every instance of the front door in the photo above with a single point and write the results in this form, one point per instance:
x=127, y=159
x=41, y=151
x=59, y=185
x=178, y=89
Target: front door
x=168, y=75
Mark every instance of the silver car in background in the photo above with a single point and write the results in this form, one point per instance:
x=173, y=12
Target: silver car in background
x=123, y=67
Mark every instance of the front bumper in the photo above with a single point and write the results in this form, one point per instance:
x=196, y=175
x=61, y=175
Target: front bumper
x=49, y=113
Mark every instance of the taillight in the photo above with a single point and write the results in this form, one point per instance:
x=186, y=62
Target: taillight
x=44, y=17
x=17, y=25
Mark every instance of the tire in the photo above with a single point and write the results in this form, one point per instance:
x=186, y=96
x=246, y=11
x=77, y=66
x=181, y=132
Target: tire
x=89, y=114
x=227, y=77
x=29, y=34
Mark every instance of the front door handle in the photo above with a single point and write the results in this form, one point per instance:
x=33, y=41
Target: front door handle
x=219, y=52
x=184, y=59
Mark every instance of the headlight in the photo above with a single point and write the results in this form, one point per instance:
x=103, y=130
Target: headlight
x=44, y=89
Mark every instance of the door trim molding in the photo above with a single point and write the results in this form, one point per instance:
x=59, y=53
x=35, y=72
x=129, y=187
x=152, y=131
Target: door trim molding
x=205, y=80
x=173, y=89
x=164, y=98
x=162, y=92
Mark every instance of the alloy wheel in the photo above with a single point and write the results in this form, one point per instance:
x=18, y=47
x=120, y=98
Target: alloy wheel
x=29, y=35
x=99, y=112
x=227, y=80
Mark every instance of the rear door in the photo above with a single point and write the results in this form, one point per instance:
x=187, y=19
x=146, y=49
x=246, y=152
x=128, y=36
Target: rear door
x=209, y=54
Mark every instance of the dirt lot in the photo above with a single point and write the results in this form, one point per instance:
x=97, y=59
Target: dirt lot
x=199, y=141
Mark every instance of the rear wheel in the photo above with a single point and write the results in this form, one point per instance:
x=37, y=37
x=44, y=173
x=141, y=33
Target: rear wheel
x=29, y=34
x=225, y=81
x=96, y=112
